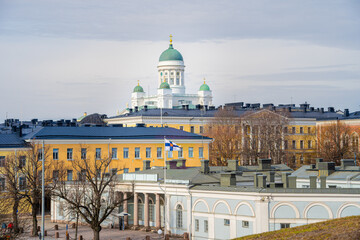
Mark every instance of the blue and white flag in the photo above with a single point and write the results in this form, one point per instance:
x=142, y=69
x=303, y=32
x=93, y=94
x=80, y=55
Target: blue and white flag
x=170, y=146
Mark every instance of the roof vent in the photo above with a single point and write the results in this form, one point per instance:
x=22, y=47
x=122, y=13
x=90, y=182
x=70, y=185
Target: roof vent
x=346, y=112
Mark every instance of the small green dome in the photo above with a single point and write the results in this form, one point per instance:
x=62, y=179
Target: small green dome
x=171, y=54
x=204, y=87
x=164, y=85
x=138, y=88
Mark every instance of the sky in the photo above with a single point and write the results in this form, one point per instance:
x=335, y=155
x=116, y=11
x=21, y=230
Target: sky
x=61, y=58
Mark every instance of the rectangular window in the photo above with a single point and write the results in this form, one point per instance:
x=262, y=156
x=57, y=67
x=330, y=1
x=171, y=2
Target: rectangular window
x=197, y=225
x=126, y=170
x=285, y=130
x=227, y=222
x=55, y=174
x=22, y=161
x=170, y=154
x=284, y=225
x=286, y=144
x=126, y=153
x=309, y=144
x=201, y=129
x=22, y=183
x=137, y=169
x=159, y=152
x=206, y=226
x=245, y=224
x=180, y=153
x=83, y=153
x=309, y=129
x=148, y=152
x=40, y=154
x=2, y=184
x=98, y=153
x=114, y=153
x=294, y=144
x=182, y=128
x=293, y=130
x=201, y=152
x=69, y=154
x=192, y=129
x=137, y=152
x=69, y=175
x=191, y=152
x=55, y=154
x=2, y=161
x=113, y=171
x=301, y=144
x=82, y=175
x=301, y=130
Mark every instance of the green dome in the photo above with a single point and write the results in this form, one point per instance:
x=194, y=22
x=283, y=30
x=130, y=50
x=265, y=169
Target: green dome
x=164, y=85
x=204, y=87
x=171, y=54
x=138, y=88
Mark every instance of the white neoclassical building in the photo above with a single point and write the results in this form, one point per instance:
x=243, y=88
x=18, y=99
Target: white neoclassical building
x=171, y=85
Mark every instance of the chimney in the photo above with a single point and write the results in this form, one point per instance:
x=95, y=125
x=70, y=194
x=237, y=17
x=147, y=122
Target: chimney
x=136, y=108
x=326, y=168
x=285, y=179
x=346, y=112
x=232, y=165
x=145, y=107
x=331, y=109
x=318, y=160
x=322, y=110
x=130, y=110
x=292, y=181
x=264, y=164
x=228, y=179
x=183, y=107
x=347, y=162
x=186, y=107
x=256, y=183
x=261, y=181
x=146, y=164
x=198, y=106
x=313, y=181
x=205, y=169
x=322, y=181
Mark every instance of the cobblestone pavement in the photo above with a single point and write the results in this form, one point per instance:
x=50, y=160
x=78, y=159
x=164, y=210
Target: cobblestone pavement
x=87, y=233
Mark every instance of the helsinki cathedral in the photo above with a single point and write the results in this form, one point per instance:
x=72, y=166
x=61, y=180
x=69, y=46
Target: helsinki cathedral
x=171, y=85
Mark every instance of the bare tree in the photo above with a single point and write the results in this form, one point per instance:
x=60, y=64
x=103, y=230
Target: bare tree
x=11, y=197
x=92, y=195
x=225, y=129
x=31, y=172
x=334, y=141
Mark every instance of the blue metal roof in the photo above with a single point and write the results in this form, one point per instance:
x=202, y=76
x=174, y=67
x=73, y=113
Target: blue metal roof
x=114, y=133
x=11, y=141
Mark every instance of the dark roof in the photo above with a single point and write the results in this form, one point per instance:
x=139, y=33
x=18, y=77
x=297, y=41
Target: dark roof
x=211, y=113
x=113, y=133
x=11, y=141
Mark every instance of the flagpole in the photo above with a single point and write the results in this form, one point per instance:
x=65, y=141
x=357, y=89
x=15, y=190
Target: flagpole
x=165, y=187
x=43, y=193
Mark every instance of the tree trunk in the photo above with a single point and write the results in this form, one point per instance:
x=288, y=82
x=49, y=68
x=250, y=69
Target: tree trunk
x=15, y=218
x=34, y=211
x=76, y=226
x=96, y=230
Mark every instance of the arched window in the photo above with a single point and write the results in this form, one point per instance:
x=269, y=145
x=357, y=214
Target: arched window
x=151, y=210
x=179, y=216
x=355, y=142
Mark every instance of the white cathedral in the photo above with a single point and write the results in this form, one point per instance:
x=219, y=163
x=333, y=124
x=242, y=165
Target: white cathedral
x=171, y=85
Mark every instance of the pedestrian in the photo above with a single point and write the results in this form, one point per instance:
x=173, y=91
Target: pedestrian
x=10, y=226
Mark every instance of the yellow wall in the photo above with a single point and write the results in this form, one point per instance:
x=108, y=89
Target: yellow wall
x=131, y=163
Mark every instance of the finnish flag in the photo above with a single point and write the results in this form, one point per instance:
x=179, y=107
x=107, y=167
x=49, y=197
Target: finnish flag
x=170, y=146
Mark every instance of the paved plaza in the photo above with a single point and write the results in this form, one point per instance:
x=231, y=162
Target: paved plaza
x=87, y=233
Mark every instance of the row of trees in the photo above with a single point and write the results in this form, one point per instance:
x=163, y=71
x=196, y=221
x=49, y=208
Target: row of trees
x=263, y=134
x=91, y=195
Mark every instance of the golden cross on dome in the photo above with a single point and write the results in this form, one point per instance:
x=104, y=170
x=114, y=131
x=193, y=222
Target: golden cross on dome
x=171, y=38
x=204, y=80
x=138, y=83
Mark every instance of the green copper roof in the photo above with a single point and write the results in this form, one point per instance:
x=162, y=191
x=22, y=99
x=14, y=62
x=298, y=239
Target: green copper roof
x=204, y=87
x=171, y=54
x=164, y=85
x=138, y=88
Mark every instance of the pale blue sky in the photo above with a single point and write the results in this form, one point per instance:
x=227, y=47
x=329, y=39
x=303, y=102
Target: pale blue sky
x=60, y=58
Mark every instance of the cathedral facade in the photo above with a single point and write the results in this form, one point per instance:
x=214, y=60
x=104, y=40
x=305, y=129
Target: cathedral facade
x=171, y=85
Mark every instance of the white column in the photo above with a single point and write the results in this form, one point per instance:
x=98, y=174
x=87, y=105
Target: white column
x=211, y=226
x=232, y=226
x=189, y=213
x=261, y=223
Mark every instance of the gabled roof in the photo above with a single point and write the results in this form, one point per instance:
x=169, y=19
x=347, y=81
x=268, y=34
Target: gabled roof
x=113, y=133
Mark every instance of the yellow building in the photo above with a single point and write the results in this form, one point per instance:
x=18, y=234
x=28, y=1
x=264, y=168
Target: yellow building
x=128, y=148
